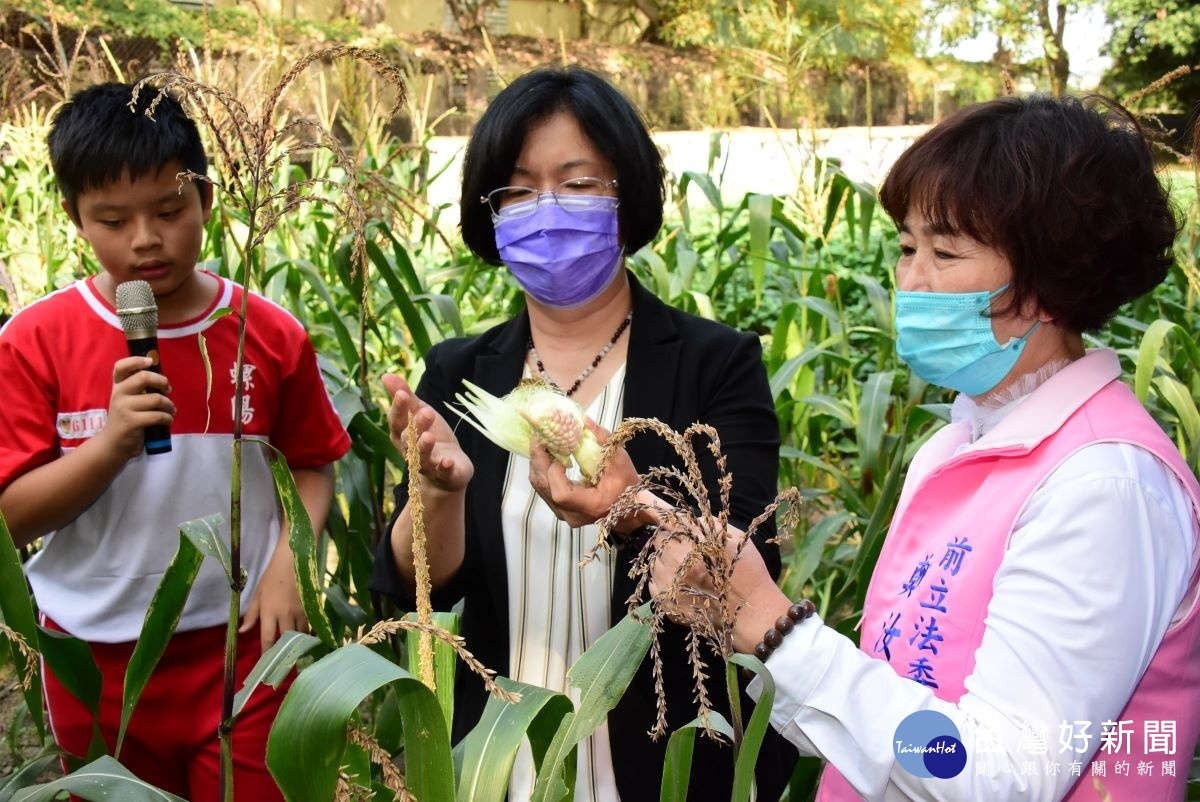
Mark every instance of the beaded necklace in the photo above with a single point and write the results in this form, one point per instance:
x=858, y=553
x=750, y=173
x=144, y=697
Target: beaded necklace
x=595, y=361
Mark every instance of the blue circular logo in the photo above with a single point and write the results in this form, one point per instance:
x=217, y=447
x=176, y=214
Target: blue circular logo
x=928, y=744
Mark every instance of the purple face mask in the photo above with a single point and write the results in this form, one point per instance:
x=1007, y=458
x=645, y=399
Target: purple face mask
x=562, y=258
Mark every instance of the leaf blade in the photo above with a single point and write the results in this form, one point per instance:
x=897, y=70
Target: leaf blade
x=308, y=740
x=162, y=617
x=16, y=610
x=101, y=780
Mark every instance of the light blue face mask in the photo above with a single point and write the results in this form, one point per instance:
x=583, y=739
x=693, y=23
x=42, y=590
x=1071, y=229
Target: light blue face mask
x=947, y=339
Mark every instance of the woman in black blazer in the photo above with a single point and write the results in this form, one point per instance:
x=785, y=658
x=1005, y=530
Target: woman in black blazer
x=561, y=179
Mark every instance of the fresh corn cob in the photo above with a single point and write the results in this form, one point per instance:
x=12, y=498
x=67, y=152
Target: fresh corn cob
x=534, y=408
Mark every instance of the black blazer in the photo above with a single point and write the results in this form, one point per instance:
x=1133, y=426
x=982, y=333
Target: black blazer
x=680, y=369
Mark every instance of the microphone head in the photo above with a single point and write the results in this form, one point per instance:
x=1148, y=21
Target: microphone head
x=137, y=310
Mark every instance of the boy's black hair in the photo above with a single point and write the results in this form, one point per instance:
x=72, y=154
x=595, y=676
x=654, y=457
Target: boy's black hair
x=1064, y=188
x=96, y=137
x=608, y=119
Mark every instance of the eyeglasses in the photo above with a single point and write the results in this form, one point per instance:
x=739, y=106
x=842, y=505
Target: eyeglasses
x=515, y=201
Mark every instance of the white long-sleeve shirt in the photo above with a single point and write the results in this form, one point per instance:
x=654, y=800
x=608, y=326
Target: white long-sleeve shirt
x=1109, y=537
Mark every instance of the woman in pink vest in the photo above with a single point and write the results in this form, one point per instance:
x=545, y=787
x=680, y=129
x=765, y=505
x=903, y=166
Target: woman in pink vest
x=1036, y=596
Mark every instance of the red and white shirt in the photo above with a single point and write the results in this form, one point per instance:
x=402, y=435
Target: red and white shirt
x=95, y=577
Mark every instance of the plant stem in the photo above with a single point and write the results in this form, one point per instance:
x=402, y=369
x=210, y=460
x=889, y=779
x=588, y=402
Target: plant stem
x=238, y=582
x=225, y=728
x=735, y=707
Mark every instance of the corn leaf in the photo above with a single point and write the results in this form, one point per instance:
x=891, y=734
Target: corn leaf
x=872, y=420
x=375, y=436
x=490, y=748
x=829, y=405
x=807, y=553
x=356, y=765
x=166, y=608
x=413, y=323
x=341, y=332
x=686, y=261
x=1151, y=348
x=274, y=665
x=307, y=744
x=779, y=337
x=352, y=616
x=838, y=185
x=388, y=724
x=445, y=659
x=205, y=534
x=880, y=300
x=1176, y=394
x=781, y=378
x=867, y=203
x=304, y=548
x=677, y=768
x=601, y=674
x=16, y=610
x=101, y=780
x=28, y=774
x=70, y=660
x=760, y=208
x=872, y=539
x=706, y=185
x=756, y=729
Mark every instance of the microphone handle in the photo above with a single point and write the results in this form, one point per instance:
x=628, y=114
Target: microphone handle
x=158, y=437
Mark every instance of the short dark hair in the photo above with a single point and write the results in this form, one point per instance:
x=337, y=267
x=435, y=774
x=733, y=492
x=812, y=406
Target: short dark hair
x=1064, y=188
x=96, y=137
x=608, y=119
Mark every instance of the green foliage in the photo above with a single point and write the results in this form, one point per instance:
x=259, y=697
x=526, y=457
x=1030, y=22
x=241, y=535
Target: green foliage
x=487, y=754
x=275, y=664
x=756, y=728
x=16, y=612
x=601, y=675
x=36, y=250
x=307, y=743
x=1017, y=27
x=445, y=661
x=839, y=33
x=167, y=24
x=1151, y=38
x=166, y=608
x=103, y=778
x=302, y=541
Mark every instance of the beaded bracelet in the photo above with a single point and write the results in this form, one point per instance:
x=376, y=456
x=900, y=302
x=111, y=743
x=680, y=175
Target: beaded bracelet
x=636, y=540
x=783, y=625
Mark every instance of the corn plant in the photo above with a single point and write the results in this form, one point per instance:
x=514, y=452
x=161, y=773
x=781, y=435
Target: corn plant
x=37, y=253
x=809, y=272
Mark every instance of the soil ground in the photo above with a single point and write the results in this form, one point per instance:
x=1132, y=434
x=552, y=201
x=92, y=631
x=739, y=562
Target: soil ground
x=19, y=742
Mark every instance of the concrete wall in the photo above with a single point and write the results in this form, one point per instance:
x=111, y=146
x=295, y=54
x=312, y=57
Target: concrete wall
x=543, y=19
x=550, y=19
x=774, y=162
x=414, y=16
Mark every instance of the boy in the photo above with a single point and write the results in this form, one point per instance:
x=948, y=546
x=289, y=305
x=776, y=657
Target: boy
x=73, y=469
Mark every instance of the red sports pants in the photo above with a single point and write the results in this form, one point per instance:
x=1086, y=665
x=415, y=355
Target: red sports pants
x=171, y=741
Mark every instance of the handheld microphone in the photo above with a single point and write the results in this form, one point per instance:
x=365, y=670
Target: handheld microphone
x=139, y=319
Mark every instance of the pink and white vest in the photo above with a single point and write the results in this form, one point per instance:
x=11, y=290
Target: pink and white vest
x=935, y=573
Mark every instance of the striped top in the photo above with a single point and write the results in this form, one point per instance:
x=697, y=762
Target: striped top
x=557, y=609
